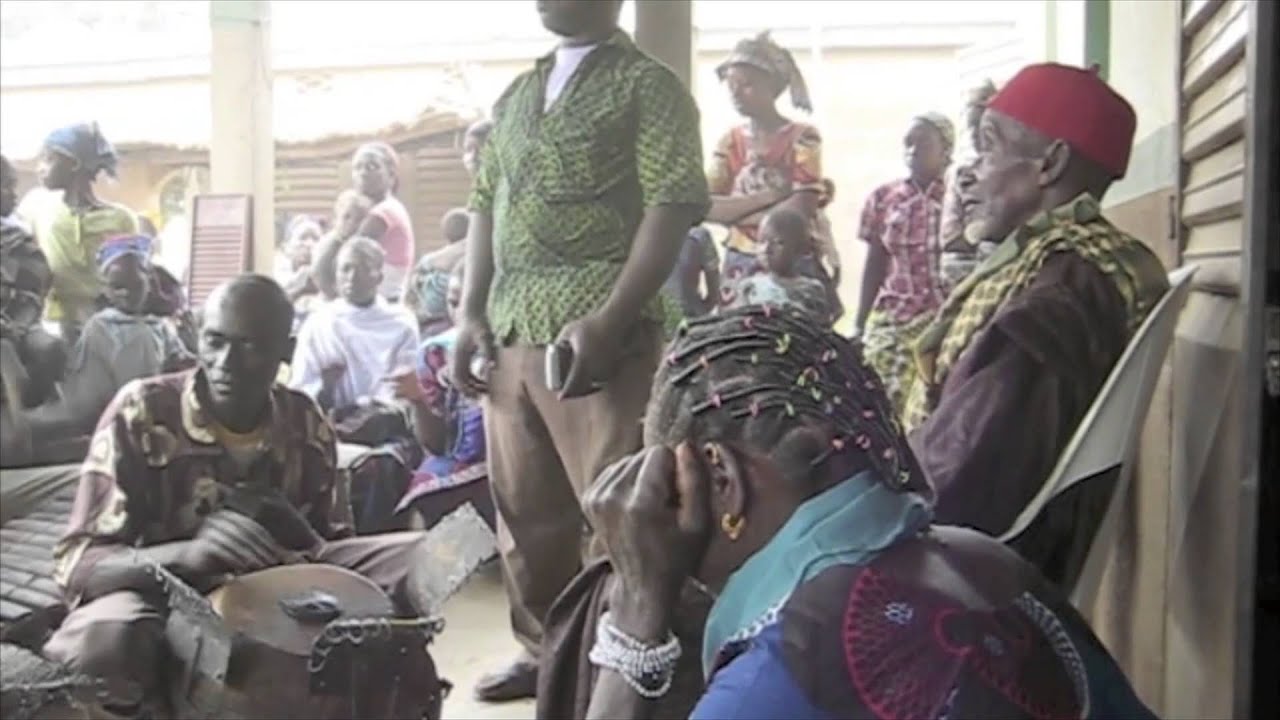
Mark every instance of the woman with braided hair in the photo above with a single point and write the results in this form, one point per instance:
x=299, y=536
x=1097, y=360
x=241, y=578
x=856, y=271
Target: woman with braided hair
x=776, y=476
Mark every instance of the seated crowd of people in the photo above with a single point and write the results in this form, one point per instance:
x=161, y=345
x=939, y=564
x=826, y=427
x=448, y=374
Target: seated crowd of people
x=709, y=503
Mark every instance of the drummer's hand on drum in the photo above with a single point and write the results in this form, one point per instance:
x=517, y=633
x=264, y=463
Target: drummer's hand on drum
x=230, y=543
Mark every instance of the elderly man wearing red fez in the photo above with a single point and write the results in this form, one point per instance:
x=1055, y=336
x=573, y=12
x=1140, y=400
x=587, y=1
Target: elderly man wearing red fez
x=1020, y=349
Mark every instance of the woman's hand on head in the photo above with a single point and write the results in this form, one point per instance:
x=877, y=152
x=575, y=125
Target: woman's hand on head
x=651, y=511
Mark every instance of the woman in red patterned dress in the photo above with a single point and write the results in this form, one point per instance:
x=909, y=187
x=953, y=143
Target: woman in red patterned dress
x=768, y=161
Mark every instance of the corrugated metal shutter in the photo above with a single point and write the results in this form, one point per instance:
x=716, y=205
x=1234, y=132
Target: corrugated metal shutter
x=1205, y=468
x=308, y=187
x=221, y=237
x=442, y=184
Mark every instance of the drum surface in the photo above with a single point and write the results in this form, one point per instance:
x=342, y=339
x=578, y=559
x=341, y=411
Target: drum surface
x=250, y=605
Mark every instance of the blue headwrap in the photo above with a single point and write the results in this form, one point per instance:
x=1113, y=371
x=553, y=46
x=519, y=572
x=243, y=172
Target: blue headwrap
x=85, y=144
x=114, y=248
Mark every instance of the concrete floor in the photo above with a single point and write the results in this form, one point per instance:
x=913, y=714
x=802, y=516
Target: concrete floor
x=477, y=639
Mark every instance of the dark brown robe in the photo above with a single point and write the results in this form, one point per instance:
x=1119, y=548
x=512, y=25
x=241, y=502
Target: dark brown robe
x=1011, y=404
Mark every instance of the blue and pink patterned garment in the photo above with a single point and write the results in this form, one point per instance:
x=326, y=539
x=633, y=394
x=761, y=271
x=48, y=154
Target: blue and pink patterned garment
x=464, y=462
x=846, y=616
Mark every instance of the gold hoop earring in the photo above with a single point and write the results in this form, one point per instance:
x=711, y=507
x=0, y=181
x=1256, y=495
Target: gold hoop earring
x=732, y=526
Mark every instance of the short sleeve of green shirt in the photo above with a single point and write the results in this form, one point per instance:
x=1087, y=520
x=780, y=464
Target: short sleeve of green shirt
x=668, y=141
x=482, y=188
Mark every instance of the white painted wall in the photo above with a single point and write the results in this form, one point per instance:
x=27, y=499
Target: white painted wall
x=1144, y=62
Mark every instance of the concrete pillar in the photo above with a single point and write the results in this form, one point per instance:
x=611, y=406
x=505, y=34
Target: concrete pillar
x=242, y=146
x=664, y=29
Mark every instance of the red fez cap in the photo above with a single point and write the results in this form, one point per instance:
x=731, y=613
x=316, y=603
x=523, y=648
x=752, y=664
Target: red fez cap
x=1075, y=105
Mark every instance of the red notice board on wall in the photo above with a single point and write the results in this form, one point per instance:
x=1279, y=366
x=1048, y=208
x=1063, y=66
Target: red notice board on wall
x=221, y=242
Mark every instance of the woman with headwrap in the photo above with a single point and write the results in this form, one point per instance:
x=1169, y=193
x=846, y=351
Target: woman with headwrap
x=120, y=343
x=902, y=284
x=70, y=228
x=768, y=161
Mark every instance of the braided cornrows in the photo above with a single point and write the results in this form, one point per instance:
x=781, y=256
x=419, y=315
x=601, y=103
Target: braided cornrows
x=752, y=373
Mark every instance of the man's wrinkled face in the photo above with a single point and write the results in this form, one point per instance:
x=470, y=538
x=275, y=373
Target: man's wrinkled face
x=1007, y=188
x=243, y=340
x=359, y=274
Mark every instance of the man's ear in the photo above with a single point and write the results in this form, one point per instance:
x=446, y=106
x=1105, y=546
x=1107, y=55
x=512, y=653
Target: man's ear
x=1054, y=163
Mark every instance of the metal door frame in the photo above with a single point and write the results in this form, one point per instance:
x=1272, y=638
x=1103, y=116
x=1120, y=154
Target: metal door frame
x=1256, y=256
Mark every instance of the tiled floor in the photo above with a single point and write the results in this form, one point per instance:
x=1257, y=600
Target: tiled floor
x=477, y=639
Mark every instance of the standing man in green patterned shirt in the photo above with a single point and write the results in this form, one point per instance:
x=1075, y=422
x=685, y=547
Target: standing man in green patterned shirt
x=590, y=180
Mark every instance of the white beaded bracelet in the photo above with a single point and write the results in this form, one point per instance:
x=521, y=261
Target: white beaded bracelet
x=649, y=670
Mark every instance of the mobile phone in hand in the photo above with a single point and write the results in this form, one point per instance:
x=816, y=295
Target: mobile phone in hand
x=559, y=359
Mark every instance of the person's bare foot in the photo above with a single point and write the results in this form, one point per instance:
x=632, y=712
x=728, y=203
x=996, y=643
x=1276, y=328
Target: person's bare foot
x=516, y=681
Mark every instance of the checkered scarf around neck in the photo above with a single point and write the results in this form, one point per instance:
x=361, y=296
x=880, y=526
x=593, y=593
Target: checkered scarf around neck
x=751, y=375
x=762, y=53
x=1075, y=227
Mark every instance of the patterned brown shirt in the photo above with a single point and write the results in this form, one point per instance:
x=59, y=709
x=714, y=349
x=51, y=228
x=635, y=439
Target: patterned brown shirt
x=157, y=465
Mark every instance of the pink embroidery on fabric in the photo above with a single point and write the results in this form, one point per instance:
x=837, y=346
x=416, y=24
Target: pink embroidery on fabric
x=910, y=651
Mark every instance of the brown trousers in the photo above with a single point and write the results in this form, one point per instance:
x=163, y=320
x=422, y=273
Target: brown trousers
x=543, y=453
x=120, y=636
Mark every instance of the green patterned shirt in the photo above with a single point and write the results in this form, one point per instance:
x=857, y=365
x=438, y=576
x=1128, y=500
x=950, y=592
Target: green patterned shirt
x=567, y=188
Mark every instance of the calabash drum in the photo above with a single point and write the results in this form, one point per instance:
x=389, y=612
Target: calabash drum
x=303, y=641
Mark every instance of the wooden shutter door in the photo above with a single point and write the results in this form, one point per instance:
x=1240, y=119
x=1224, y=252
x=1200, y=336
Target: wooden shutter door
x=308, y=187
x=221, y=242
x=1202, y=625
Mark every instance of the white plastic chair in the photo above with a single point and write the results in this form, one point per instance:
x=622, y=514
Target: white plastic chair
x=1108, y=435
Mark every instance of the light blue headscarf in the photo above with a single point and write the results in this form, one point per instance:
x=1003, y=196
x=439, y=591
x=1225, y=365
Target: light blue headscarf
x=84, y=143
x=848, y=524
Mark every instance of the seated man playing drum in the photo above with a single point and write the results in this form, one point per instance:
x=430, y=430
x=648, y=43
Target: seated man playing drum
x=166, y=466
